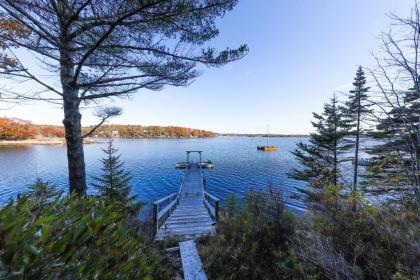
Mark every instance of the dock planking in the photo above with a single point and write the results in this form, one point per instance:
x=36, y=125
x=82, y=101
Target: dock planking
x=192, y=213
x=191, y=263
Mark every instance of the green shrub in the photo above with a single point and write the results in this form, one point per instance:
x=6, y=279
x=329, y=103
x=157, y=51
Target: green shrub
x=380, y=242
x=261, y=240
x=252, y=241
x=73, y=238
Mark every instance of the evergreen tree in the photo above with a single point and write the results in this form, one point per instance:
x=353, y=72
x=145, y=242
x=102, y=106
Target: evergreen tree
x=41, y=192
x=396, y=157
x=357, y=109
x=395, y=164
x=321, y=156
x=114, y=181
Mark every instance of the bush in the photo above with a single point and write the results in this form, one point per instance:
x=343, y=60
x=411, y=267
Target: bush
x=73, y=238
x=381, y=242
x=262, y=240
x=253, y=241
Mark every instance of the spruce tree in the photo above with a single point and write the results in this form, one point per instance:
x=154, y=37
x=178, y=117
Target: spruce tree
x=321, y=156
x=395, y=163
x=41, y=192
x=114, y=180
x=357, y=110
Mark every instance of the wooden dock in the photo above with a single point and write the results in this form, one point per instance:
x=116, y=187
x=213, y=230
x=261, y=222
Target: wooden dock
x=191, y=262
x=186, y=215
x=190, y=213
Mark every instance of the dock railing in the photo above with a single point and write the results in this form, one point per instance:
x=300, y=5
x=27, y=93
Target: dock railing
x=212, y=204
x=164, y=207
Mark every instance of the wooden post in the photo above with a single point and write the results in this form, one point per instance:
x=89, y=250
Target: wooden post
x=155, y=218
x=216, y=210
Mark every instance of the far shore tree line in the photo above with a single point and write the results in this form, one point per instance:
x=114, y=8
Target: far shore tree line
x=17, y=129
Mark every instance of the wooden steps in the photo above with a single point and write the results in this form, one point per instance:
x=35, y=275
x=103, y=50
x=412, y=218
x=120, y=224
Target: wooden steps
x=191, y=218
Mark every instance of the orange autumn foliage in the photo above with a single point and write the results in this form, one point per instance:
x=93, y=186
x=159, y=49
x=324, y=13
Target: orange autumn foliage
x=10, y=28
x=16, y=129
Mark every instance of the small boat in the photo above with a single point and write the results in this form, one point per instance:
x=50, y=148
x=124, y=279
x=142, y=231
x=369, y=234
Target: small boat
x=267, y=148
x=181, y=165
x=207, y=164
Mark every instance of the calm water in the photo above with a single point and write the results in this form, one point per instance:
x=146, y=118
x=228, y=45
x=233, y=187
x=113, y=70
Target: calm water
x=152, y=164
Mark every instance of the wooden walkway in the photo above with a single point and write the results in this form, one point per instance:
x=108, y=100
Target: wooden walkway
x=190, y=213
x=191, y=263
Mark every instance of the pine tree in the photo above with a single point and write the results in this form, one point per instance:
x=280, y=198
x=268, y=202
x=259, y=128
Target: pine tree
x=321, y=156
x=41, y=192
x=114, y=181
x=357, y=110
x=395, y=164
x=396, y=157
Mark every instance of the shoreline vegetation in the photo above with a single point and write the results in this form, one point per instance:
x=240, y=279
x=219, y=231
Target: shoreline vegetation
x=42, y=141
x=15, y=131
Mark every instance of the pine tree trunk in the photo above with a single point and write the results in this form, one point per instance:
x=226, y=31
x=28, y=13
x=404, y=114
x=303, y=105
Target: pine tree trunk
x=356, y=150
x=72, y=116
x=74, y=140
x=335, y=167
x=335, y=163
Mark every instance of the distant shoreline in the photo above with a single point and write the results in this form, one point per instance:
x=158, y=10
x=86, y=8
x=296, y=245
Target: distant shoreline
x=42, y=141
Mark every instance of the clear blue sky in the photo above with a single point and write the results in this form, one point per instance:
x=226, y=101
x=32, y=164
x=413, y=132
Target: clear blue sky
x=301, y=51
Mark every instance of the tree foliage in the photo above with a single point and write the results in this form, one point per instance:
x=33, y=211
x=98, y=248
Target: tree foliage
x=153, y=131
x=395, y=162
x=321, y=156
x=357, y=109
x=17, y=129
x=9, y=28
x=114, y=181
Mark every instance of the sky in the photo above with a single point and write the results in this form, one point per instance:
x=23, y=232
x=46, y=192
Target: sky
x=301, y=52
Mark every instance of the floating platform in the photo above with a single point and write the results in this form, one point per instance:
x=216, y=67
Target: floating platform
x=203, y=165
x=267, y=148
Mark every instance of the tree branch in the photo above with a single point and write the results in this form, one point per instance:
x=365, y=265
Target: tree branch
x=104, y=114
